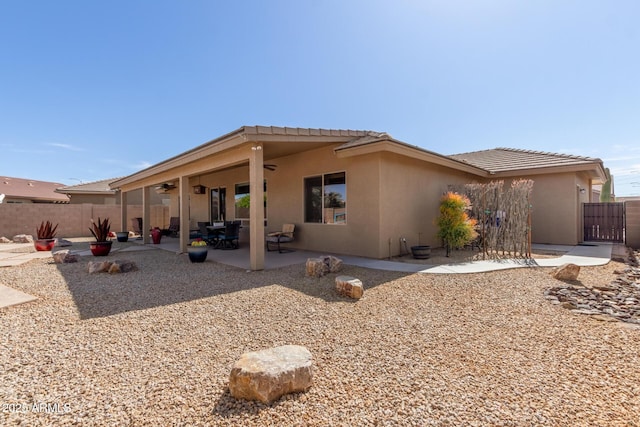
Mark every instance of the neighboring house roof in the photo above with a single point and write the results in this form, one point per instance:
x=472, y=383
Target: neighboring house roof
x=31, y=190
x=511, y=161
x=96, y=187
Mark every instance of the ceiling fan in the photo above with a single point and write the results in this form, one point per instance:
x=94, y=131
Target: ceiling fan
x=165, y=186
x=269, y=166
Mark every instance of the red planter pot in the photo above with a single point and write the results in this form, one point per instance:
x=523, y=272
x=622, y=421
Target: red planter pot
x=156, y=235
x=100, y=248
x=44, y=244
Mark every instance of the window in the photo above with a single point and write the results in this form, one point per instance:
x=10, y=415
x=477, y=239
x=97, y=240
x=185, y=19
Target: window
x=325, y=198
x=243, y=201
x=218, y=204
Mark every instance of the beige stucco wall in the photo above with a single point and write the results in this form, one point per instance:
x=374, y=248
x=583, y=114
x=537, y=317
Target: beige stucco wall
x=389, y=197
x=285, y=200
x=556, y=217
x=410, y=198
x=73, y=219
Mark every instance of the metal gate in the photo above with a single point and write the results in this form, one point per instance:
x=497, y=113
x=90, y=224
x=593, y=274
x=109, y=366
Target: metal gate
x=604, y=222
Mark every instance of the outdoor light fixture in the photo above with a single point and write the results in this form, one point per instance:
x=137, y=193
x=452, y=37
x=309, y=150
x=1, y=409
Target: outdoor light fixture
x=199, y=189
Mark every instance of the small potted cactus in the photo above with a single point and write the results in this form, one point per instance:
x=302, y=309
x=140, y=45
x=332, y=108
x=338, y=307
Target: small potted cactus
x=46, y=234
x=102, y=245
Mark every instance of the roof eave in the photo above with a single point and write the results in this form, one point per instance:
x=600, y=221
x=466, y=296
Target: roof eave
x=402, y=148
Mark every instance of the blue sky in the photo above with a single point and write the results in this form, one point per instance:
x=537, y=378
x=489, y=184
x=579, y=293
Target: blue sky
x=93, y=90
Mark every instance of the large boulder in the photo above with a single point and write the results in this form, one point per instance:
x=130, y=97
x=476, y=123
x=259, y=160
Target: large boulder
x=122, y=266
x=60, y=243
x=348, y=286
x=98, y=266
x=267, y=375
x=115, y=266
x=567, y=271
x=23, y=238
x=64, y=257
x=318, y=267
x=4, y=240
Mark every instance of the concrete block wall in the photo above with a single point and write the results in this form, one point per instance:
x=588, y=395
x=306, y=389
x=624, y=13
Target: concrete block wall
x=72, y=220
x=632, y=213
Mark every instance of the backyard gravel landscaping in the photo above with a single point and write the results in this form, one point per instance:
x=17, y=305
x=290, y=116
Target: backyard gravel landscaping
x=155, y=347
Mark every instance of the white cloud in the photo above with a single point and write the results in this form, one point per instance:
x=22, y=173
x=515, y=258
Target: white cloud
x=141, y=165
x=65, y=146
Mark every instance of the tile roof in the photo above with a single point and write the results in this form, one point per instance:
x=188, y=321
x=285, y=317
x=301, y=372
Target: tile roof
x=30, y=189
x=101, y=186
x=293, y=131
x=511, y=159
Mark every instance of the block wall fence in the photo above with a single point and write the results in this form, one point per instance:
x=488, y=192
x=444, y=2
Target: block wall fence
x=72, y=220
x=632, y=230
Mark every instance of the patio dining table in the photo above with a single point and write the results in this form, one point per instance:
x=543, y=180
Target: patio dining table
x=216, y=229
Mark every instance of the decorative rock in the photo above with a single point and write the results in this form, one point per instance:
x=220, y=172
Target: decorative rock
x=122, y=266
x=23, y=238
x=269, y=374
x=316, y=267
x=334, y=264
x=566, y=272
x=62, y=243
x=4, y=240
x=64, y=257
x=115, y=266
x=98, y=266
x=349, y=287
x=616, y=301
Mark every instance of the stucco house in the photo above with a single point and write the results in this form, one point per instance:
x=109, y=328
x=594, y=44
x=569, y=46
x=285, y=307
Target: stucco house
x=349, y=191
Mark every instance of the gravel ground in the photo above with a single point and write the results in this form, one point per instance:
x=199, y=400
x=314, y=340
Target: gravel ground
x=155, y=347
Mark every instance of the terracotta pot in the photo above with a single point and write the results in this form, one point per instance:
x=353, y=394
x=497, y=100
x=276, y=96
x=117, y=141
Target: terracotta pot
x=197, y=253
x=100, y=248
x=44, y=244
x=156, y=235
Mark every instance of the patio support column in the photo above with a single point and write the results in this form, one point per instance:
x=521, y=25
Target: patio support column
x=123, y=210
x=184, y=213
x=256, y=208
x=146, y=214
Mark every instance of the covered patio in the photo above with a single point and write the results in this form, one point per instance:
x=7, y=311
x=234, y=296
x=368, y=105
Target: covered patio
x=242, y=161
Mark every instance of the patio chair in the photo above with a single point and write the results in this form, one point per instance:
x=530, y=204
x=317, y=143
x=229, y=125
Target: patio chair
x=227, y=237
x=206, y=234
x=284, y=236
x=174, y=226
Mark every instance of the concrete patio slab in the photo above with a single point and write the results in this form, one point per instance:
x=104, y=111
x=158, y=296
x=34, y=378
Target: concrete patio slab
x=10, y=297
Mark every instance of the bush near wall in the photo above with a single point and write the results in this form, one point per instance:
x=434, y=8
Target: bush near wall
x=72, y=220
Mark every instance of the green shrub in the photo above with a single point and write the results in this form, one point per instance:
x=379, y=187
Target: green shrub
x=454, y=225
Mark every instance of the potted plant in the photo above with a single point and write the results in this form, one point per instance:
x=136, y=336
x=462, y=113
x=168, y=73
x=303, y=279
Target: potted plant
x=421, y=251
x=46, y=234
x=156, y=235
x=102, y=245
x=198, y=250
x=454, y=225
x=122, y=236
